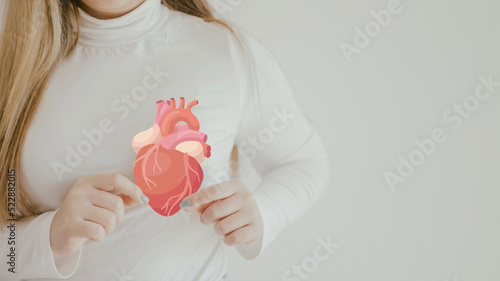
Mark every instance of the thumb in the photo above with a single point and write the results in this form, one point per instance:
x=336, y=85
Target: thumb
x=199, y=209
x=202, y=199
x=128, y=201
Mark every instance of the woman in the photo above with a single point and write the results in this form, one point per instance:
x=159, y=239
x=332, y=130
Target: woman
x=79, y=80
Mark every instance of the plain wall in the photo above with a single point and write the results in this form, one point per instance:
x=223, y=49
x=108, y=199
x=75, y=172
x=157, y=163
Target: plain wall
x=442, y=223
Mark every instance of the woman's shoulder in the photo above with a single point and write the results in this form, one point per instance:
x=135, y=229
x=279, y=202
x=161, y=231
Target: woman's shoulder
x=192, y=28
x=231, y=38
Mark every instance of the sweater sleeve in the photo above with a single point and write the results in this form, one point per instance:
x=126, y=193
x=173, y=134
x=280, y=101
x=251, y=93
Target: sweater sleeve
x=32, y=252
x=283, y=147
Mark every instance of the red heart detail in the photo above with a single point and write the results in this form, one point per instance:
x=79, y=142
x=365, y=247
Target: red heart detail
x=164, y=174
x=166, y=177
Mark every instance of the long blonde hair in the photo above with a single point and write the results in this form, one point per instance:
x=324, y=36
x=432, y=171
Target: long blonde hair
x=37, y=36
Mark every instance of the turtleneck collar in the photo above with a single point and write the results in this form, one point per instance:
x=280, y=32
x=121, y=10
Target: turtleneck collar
x=129, y=28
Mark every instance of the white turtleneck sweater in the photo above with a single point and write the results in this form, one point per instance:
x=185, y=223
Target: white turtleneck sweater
x=105, y=93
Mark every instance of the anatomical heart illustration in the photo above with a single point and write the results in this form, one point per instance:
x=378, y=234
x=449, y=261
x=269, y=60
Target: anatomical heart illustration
x=167, y=167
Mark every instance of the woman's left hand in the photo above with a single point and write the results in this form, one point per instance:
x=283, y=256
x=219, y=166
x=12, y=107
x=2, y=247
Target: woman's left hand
x=231, y=207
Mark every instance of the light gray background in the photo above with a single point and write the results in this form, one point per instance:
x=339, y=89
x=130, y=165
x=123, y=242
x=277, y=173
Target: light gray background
x=443, y=222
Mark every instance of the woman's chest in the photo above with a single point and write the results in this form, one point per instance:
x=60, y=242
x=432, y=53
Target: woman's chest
x=91, y=111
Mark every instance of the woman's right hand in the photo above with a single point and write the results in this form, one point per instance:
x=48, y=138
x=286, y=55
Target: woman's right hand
x=91, y=210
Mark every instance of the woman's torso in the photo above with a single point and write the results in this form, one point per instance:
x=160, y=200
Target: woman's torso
x=104, y=94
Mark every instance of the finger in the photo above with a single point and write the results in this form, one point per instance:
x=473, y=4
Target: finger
x=211, y=193
x=231, y=223
x=127, y=201
x=108, y=201
x=101, y=216
x=118, y=183
x=246, y=234
x=89, y=230
x=220, y=209
x=201, y=208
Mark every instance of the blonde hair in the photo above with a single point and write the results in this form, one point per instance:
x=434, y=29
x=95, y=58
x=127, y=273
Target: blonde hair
x=37, y=36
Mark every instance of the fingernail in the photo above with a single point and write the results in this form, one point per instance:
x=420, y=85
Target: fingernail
x=144, y=198
x=185, y=203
